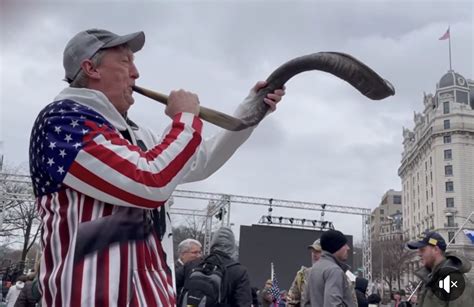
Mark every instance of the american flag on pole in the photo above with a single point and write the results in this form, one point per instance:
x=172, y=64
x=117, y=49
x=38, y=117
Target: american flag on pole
x=275, y=289
x=446, y=35
x=469, y=234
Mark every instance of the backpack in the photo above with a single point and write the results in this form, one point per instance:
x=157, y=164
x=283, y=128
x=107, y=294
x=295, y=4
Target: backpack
x=205, y=286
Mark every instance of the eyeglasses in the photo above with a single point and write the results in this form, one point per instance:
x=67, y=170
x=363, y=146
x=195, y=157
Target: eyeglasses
x=194, y=252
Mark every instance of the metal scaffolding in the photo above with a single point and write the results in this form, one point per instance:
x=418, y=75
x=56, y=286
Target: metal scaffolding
x=220, y=204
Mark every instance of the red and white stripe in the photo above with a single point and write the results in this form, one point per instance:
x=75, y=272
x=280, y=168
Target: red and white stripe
x=132, y=273
x=106, y=165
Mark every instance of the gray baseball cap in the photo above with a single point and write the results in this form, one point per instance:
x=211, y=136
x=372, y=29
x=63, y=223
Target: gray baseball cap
x=86, y=43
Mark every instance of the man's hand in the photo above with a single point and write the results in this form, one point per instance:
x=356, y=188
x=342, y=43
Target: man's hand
x=182, y=101
x=272, y=98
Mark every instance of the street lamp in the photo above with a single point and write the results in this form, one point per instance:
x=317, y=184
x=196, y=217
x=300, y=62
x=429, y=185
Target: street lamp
x=382, y=251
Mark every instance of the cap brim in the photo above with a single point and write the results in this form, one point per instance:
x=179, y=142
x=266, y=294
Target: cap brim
x=416, y=244
x=316, y=249
x=135, y=41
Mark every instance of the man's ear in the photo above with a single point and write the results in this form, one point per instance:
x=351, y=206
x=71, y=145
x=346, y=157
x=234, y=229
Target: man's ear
x=90, y=70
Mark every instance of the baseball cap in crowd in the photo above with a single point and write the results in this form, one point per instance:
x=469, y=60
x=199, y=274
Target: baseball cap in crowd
x=86, y=43
x=430, y=238
x=316, y=245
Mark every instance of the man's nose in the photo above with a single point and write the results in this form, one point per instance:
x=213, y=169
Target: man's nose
x=134, y=72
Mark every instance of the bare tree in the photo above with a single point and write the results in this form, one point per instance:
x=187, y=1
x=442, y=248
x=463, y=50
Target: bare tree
x=193, y=228
x=20, y=217
x=391, y=256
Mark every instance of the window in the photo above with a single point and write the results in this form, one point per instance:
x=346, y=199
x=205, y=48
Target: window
x=448, y=154
x=447, y=139
x=450, y=221
x=446, y=107
x=448, y=170
x=449, y=186
x=431, y=162
x=381, y=211
x=447, y=124
x=462, y=97
x=451, y=237
x=397, y=199
x=450, y=202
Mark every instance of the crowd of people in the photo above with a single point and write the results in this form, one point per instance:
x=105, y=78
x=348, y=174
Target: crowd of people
x=327, y=282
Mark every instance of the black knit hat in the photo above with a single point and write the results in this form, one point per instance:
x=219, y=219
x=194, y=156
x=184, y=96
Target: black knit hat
x=332, y=241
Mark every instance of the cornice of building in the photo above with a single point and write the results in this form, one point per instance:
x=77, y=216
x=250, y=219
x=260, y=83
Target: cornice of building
x=432, y=131
x=429, y=134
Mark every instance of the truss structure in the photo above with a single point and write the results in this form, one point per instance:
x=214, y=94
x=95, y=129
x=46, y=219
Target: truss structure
x=221, y=204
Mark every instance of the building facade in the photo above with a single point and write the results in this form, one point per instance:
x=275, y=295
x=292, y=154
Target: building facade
x=386, y=217
x=437, y=167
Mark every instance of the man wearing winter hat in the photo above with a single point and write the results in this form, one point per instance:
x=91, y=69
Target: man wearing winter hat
x=445, y=267
x=328, y=285
x=297, y=293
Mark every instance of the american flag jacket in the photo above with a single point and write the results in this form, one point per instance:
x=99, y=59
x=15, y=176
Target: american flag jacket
x=101, y=184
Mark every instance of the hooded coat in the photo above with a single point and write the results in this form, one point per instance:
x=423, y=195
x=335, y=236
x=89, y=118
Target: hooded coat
x=429, y=278
x=361, y=290
x=236, y=280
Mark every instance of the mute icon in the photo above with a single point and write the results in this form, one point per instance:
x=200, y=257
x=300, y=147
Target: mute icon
x=447, y=284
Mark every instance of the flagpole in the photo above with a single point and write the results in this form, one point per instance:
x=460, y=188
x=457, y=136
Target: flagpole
x=450, y=66
x=271, y=270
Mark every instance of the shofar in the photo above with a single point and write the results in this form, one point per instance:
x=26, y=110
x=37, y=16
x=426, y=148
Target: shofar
x=344, y=66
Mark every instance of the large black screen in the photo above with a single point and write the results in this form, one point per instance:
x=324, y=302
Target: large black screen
x=286, y=247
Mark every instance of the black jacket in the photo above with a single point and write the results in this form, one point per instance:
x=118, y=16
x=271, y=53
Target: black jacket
x=360, y=290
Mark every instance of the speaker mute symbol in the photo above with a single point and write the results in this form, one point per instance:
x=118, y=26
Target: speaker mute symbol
x=447, y=284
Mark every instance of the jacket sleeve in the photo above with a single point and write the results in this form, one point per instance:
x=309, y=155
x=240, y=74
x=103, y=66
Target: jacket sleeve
x=333, y=288
x=22, y=300
x=241, y=291
x=294, y=294
x=9, y=293
x=215, y=151
x=87, y=154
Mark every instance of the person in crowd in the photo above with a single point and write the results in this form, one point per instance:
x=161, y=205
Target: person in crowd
x=30, y=295
x=283, y=298
x=328, y=284
x=188, y=250
x=396, y=299
x=102, y=181
x=14, y=291
x=361, y=291
x=255, y=293
x=434, y=259
x=296, y=294
x=374, y=300
x=266, y=297
x=236, y=281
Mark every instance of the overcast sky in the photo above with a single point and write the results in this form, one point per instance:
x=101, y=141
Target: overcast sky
x=326, y=143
